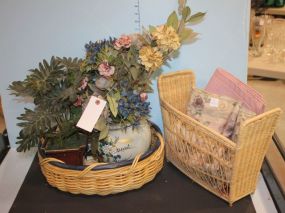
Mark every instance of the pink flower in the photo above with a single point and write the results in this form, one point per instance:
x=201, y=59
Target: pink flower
x=123, y=42
x=84, y=84
x=198, y=102
x=78, y=101
x=143, y=96
x=105, y=69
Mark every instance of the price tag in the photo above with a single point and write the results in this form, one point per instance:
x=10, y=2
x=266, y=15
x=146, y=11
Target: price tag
x=214, y=102
x=91, y=114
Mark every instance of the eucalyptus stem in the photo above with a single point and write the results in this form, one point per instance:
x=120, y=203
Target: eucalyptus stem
x=112, y=88
x=181, y=26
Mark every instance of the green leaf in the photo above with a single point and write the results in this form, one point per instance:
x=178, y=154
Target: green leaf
x=104, y=133
x=113, y=104
x=135, y=72
x=185, y=34
x=173, y=20
x=151, y=28
x=186, y=12
x=54, y=88
x=26, y=144
x=197, y=17
x=34, y=125
x=68, y=93
x=19, y=88
x=117, y=95
x=70, y=63
x=127, y=62
x=101, y=123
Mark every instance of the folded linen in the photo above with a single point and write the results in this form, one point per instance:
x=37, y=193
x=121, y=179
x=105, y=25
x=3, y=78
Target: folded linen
x=218, y=112
x=214, y=111
x=224, y=83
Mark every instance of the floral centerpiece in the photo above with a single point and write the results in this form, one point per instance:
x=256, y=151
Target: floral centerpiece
x=118, y=70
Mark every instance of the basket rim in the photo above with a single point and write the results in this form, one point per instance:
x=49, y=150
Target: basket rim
x=106, y=166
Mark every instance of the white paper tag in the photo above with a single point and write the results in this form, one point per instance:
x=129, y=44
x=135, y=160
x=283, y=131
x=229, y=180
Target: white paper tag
x=214, y=102
x=91, y=114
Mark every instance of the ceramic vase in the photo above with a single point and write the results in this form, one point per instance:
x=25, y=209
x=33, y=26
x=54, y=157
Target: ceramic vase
x=125, y=143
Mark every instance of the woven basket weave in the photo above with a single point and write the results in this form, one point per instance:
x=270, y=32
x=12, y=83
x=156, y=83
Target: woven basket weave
x=103, y=179
x=227, y=169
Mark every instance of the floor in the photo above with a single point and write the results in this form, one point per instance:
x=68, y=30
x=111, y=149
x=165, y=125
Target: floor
x=274, y=93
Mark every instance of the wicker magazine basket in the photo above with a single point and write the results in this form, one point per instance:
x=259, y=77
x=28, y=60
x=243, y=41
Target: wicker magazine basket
x=227, y=169
x=105, y=178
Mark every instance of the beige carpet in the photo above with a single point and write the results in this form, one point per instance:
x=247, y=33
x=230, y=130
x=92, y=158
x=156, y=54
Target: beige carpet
x=274, y=94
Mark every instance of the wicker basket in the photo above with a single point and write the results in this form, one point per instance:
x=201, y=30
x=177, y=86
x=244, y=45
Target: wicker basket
x=104, y=179
x=227, y=169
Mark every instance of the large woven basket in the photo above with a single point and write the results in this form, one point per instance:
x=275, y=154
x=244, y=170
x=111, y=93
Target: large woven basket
x=227, y=169
x=104, y=179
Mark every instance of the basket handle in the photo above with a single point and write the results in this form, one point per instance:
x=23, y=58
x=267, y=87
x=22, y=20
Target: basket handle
x=161, y=144
x=47, y=160
x=90, y=167
x=135, y=162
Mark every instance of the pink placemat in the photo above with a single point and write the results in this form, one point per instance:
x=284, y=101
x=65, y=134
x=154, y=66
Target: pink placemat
x=224, y=83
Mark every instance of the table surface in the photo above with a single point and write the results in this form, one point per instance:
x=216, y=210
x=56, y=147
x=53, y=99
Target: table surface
x=261, y=66
x=170, y=191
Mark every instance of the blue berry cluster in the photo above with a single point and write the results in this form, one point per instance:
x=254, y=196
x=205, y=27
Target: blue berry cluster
x=130, y=106
x=92, y=48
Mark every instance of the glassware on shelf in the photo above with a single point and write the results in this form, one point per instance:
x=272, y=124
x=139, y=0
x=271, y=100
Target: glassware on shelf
x=268, y=35
x=276, y=41
x=257, y=34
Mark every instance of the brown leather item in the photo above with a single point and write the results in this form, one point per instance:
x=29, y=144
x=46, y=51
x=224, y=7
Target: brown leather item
x=69, y=156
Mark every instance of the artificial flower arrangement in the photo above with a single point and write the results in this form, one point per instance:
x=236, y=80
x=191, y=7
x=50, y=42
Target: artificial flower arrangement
x=118, y=70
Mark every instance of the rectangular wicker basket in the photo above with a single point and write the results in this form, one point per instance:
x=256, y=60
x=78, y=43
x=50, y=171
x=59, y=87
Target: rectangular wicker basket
x=227, y=169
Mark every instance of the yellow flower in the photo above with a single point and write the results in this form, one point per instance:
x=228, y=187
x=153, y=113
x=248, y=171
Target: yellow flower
x=151, y=58
x=166, y=38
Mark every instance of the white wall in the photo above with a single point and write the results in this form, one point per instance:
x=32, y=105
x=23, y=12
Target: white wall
x=31, y=30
